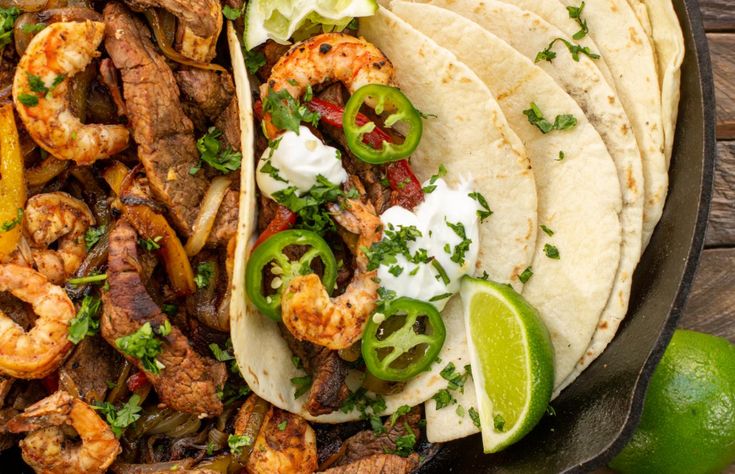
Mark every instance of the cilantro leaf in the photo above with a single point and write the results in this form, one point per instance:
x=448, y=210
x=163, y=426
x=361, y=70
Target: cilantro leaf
x=574, y=49
x=213, y=153
x=547, y=231
x=561, y=122
x=219, y=353
x=551, y=252
x=237, y=442
x=204, y=274
x=254, y=60
x=526, y=275
x=475, y=416
x=485, y=212
x=443, y=398
x=144, y=346
x=120, y=419
x=93, y=235
x=575, y=13
x=286, y=112
x=11, y=224
x=231, y=13
x=29, y=100
x=302, y=384
x=85, y=323
x=461, y=248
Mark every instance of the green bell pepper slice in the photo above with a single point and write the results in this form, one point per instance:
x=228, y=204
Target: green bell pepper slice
x=396, y=346
x=382, y=99
x=271, y=252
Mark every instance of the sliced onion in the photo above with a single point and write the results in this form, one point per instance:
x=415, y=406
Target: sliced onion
x=154, y=468
x=207, y=213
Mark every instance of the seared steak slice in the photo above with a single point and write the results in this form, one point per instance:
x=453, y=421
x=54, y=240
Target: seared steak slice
x=197, y=15
x=378, y=464
x=328, y=373
x=189, y=382
x=211, y=91
x=366, y=443
x=92, y=364
x=163, y=132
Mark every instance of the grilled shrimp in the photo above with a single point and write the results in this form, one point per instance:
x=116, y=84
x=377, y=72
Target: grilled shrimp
x=328, y=57
x=40, y=94
x=57, y=217
x=40, y=351
x=285, y=442
x=307, y=310
x=45, y=448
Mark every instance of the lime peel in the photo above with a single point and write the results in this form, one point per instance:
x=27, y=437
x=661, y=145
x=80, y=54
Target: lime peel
x=280, y=19
x=512, y=361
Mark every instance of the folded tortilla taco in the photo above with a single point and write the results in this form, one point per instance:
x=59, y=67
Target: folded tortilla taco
x=473, y=169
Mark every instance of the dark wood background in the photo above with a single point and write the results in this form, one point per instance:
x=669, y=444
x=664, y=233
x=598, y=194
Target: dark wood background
x=711, y=306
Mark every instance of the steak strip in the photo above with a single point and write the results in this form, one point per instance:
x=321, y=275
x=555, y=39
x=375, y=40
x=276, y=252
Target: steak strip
x=189, y=382
x=163, y=132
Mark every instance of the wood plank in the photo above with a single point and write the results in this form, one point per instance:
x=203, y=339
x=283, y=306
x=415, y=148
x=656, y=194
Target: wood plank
x=711, y=305
x=721, y=225
x=718, y=15
x=722, y=46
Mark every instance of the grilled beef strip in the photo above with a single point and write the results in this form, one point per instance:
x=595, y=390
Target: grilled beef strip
x=328, y=373
x=197, y=15
x=89, y=368
x=378, y=464
x=367, y=443
x=163, y=132
x=189, y=381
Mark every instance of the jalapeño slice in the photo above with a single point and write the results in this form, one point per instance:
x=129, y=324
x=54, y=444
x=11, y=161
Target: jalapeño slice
x=383, y=99
x=403, y=341
x=271, y=253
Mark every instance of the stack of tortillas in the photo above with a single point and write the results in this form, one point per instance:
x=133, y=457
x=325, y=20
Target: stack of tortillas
x=600, y=185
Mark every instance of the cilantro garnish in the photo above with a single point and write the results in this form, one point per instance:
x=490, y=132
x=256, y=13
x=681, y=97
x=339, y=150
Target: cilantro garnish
x=32, y=28
x=286, y=112
x=204, y=273
x=395, y=242
x=499, y=423
x=526, y=275
x=213, y=153
x=237, y=442
x=282, y=425
x=475, y=416
x=144, y=346
x=120, y=419
x=220, y=354
x=461, y=248
x=7, y=20
x=429, y=188
x=547, y=231
x=309, y=207
x=574, y=49
x=254, y=60
x=485, y=212
x=551, y=251
x=11, y=224
x=93, y=235
x=405, y=443
x=443, y=398
x=575, y=13
x=561, y=122
x=151, y=244
x=232, y=13
x=561, y=156
x=302, y=384
x=85, y=323
x=369, y=408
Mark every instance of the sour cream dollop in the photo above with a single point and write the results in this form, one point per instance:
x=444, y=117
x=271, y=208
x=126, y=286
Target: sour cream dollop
x=449, y=226
x=296, y=160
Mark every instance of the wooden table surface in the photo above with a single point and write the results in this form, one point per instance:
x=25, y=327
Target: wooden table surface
x=711, y=306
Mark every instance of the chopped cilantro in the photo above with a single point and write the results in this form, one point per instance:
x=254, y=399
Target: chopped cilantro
x=463, y=247
x=144, y=346
x=441, y=272
x=526, y=275
x=429, y=188
x=93, y=235
x=7, y=20
x=561, y=122
x=232, y=13
x=485, y=212
x=395, y=270
x=499, y=423
x=170, y=309
x=460, y=411
x=282, y=425
x=574, y=49
x=29, y=100
x=440, y=297
x=547, y=231
x=85, y=323
x=475, y=416
x=405, y=443
x=204, y=274
x=551, y=251
x=272, y=171
x=31, y=28
x=309, y=207
x=369, y=408
x=456, y=379
x=402, y=410
x=443, y=398
x=286, y=112
x=254, y=60
x=213, y=153
x=11, y=224
x=302, y=384
x=237, y=442
x=561, y=156
x=219, y=353
x=395, y=242
x=575, y=13
x=296, y=361
x=120, y=419
x=151, y=244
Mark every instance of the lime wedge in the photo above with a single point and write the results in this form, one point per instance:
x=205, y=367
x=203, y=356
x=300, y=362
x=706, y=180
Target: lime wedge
x=279, y=19
x=512, y=361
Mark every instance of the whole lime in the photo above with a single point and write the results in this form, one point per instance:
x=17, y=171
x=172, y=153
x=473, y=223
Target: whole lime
x=688, y=421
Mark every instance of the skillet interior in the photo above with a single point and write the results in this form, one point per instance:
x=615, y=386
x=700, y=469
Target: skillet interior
x=597, y=414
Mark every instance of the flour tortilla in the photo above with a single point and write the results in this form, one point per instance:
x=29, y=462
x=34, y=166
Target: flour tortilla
x=622, y=42
x=472, y=138
x=528, y=33
x=579, y=197
x=668, y=42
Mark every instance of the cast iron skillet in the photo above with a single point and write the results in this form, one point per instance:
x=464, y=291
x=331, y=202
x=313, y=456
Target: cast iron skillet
x=597, y=414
